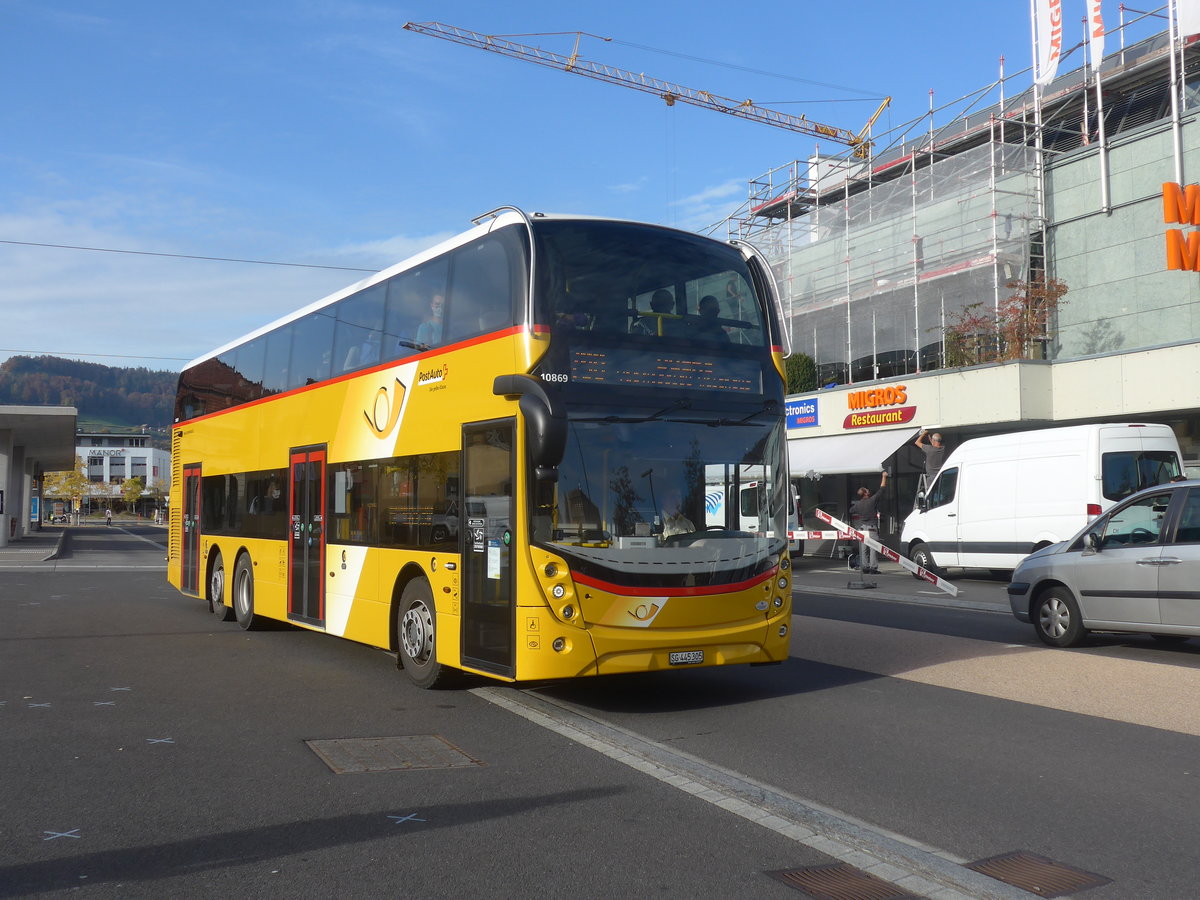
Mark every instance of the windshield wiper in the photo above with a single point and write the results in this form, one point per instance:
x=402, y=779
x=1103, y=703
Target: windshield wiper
x=770, y=406
x=680, y=403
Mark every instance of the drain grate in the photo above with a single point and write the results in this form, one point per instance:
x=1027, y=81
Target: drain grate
x=391, y=754
x=1038, y=875
x=839, y=881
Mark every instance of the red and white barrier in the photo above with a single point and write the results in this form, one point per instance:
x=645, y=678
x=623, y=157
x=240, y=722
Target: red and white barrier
x=820, y=536
x=853, y=533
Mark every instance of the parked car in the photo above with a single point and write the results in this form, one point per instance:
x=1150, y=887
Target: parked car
x=1134, y=569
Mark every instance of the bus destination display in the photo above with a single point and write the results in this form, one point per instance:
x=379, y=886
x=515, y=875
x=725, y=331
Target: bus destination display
x=595, y=365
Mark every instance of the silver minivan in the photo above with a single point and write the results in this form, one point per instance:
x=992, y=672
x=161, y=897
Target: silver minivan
x=1134, y=569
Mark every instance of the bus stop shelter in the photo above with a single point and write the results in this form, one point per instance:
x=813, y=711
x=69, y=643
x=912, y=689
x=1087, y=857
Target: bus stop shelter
x=33, y=440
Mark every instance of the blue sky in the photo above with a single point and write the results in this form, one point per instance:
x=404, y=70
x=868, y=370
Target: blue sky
x=322, y=133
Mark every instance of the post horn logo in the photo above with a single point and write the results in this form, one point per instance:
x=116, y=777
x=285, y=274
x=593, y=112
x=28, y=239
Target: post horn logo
x=385, y=411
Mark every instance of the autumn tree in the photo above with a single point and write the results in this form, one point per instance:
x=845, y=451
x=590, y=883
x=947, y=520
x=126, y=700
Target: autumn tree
x=72, y=484
x=131, y=490
x=1020, y=327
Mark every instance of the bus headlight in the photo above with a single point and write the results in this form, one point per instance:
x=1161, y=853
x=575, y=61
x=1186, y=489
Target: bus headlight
x=568, y=611
x=558, y=591
x=778, y=602
x=783, y=631
x=785, y=563
x=551, y=570
x=559, y=645
x=783, y=582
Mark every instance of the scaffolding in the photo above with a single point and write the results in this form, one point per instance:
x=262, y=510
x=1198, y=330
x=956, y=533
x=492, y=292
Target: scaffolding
x=876, y=257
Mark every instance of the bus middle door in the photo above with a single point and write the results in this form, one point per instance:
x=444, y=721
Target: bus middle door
x=488, y=609
x=189, y=575
x=306, y=538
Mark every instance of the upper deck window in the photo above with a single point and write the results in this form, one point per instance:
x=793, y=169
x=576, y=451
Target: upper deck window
x=651, y=283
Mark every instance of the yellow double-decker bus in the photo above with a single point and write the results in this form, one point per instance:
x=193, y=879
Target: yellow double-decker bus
x=547, y=448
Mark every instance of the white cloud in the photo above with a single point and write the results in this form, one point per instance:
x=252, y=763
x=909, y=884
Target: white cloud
x=702, y=209
x=74, y=301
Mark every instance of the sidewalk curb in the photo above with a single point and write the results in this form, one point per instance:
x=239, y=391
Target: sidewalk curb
x=58, y=547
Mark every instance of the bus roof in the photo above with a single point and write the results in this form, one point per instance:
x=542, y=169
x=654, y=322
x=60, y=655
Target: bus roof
x=499, y=218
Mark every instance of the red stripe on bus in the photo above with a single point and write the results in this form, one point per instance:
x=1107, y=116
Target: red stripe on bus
x=627, y=591
x=470, y=342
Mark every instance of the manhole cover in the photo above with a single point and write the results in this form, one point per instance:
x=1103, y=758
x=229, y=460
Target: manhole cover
x=1038, y=875
x=390, y=754
x=839, y=881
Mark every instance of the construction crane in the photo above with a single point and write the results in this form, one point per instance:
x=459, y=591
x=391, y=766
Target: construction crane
x=668, y=91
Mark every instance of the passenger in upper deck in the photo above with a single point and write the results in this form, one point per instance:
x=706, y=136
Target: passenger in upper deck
x=707, y=327
x=430, y=331
x=661, y=321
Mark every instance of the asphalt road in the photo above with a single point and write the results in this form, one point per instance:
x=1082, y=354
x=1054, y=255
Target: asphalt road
x=152, y=751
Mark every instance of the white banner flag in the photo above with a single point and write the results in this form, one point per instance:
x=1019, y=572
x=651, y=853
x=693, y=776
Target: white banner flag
x=1096, y=32
x=1049, y=40
x=1189, y=17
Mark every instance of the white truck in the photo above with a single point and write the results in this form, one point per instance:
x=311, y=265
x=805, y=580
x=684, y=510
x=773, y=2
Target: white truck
x=752, y=514
x=997, y=499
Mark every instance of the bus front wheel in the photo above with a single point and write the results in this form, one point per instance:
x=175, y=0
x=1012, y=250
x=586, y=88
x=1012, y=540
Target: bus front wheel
x=416, y=624
x=243, y=593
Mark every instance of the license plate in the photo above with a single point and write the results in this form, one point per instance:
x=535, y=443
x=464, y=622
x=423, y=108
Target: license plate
x=687, y=657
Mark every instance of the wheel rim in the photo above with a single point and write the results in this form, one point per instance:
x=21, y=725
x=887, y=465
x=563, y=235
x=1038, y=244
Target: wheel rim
x=1054, y=617
x=416, y=633
x=216, y=587
x=241, y=593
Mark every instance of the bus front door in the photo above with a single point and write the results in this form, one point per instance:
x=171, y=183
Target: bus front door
x=189, y=574
x=306, y=542
x=488, y=611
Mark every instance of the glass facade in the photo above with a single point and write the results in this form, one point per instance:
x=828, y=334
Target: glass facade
x=876, y=258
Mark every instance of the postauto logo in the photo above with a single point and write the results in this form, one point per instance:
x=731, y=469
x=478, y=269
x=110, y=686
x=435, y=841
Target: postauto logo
x=802, y=413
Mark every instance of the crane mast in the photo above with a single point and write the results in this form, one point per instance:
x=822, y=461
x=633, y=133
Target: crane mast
x=669, y=91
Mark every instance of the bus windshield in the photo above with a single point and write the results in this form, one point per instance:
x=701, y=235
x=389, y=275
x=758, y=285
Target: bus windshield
x=667, y=502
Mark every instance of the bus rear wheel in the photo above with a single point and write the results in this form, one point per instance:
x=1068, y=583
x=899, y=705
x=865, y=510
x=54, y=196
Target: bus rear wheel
x=216, y=589
x=243, y=593
x=416, y=634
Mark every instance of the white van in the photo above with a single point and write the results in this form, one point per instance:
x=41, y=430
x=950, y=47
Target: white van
x=997, y=499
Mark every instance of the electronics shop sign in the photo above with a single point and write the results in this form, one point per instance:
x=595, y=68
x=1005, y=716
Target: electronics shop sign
x=802, y=413
x=879, y=406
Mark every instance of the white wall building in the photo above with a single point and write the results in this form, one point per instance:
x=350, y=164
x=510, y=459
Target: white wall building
x=111, y=458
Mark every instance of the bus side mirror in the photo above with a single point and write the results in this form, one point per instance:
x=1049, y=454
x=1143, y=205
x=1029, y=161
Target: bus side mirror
x=545, y=426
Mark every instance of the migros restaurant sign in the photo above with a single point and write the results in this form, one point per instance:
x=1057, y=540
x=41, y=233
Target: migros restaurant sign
x=879, y=406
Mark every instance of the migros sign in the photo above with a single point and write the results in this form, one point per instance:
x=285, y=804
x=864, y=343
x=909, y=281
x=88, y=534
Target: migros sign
x=1181, y=205
x=879, y=406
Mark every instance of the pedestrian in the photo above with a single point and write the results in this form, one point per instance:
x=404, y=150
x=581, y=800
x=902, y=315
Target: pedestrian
x=935, y=453
x=107, y=516
x=864, y=515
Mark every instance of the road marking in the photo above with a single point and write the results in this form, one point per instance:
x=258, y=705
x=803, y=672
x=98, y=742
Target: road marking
x=54, y=835
x=141, y=537
x=918, y=868
x=411, y=817
x=160, y=740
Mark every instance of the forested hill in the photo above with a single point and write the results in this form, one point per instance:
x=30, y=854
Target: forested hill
x=102, y=394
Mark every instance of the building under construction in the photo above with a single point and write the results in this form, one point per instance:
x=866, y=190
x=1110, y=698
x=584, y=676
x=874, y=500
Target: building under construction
x=882, y=260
